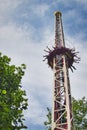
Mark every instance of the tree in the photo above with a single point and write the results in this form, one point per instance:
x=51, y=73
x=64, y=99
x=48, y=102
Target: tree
x=48, y=122
x=79, y=115
x=12, y=98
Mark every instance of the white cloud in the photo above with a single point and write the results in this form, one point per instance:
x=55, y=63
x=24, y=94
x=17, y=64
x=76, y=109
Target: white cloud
x=36, y=113
x=7, y=7
x=40, y=9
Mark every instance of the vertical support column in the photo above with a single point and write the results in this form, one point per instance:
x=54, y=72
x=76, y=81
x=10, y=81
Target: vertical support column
x=67, y=94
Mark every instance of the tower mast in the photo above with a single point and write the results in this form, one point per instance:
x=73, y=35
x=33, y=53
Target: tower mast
x=60, y=59
x=62, y=112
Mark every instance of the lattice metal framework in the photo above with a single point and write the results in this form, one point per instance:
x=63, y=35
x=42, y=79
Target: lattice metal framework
x=60, y=59
x=62, y=108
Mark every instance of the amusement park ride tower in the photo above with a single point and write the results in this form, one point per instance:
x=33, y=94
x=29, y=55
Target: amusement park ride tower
x=60, y=59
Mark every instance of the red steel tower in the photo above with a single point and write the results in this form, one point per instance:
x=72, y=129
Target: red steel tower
x=60, y=59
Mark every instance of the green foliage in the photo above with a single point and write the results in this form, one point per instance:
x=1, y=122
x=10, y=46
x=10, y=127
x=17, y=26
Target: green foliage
x=48, y=122
x=12, y=98
x=79, y=115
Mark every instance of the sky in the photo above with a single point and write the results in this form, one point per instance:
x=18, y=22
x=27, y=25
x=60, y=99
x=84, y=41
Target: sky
x=26, y=28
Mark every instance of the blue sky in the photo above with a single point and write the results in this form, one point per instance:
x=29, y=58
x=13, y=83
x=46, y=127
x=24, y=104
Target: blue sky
x=26, y=28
